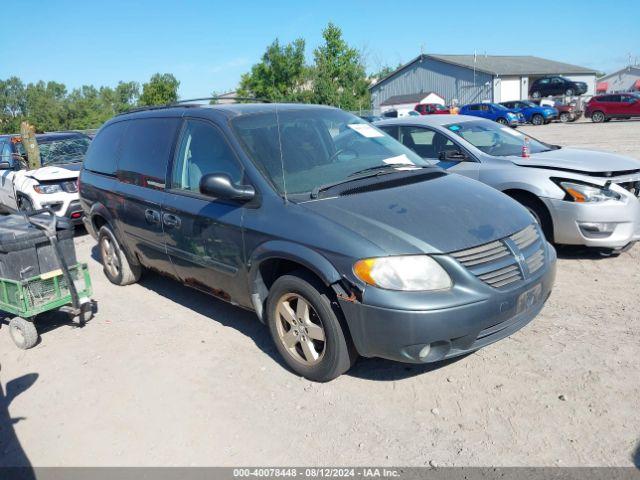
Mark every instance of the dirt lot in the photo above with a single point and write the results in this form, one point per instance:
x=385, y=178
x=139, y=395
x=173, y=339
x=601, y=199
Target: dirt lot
x=167, y=376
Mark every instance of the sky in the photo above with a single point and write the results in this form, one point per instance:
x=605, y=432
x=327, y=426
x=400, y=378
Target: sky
x=208, y=45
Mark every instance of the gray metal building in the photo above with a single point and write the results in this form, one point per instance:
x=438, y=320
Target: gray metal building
x=474, y=78
x=625, y=80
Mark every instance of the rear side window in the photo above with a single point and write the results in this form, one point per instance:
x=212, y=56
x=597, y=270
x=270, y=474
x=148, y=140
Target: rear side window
x=103, y=151
x=145, y=151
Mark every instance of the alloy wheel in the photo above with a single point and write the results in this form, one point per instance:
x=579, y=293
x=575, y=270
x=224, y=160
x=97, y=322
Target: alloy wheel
x=598, y=117
x=109, y=257
x=300, y=329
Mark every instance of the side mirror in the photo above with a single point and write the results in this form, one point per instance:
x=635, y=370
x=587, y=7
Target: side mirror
x=220, y=185
x=452, y=156
x=4, y=165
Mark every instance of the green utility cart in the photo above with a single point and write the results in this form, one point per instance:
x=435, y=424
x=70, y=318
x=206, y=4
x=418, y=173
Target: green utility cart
x=39, y=273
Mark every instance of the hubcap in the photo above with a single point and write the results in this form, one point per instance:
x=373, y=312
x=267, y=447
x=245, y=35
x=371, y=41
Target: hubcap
x=300, y=329
x=598, y=117
x=109, y=257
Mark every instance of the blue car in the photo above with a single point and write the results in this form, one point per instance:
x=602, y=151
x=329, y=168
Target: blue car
x=493, y=111
x=535, y=114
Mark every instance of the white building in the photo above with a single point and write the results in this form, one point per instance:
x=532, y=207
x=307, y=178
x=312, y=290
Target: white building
x=625, y=80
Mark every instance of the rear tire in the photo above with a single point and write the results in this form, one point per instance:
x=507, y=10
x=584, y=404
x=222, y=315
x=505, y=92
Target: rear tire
x=23, y=333
x=537, y=119
x=598, y=117
x=569, y=92
x=565, y=117
x=535, y=94
x=332, y=353
x=115, y=264
x=539, y=212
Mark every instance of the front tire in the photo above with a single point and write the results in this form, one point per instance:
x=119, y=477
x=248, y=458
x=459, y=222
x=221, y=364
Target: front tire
x=115, y=264
x=25, y=204
x=502, y=121
x=306, y=328
x=598, y=117
x=536, y=94
x=569, y=92
x=537, y=119
x=565, y=117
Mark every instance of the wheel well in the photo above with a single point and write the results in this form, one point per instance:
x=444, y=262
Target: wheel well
x=98, y=222
x=519, y=195
x=268, y=272
x=271, y=269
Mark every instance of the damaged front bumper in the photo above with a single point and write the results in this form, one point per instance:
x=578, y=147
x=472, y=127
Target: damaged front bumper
x=425, y=327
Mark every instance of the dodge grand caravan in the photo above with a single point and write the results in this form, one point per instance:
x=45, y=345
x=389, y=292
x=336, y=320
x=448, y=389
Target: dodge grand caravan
x=342, y=240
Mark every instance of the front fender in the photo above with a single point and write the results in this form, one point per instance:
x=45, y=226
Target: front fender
x=285, y=250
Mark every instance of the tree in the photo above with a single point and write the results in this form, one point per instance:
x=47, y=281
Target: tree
x=45, y=107
x=12, y=104
x=281, y=75
x=340, y=78
x=160, y=90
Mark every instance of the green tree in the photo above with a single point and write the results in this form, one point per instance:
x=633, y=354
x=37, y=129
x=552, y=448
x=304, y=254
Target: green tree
x=160, y=90
x=281, y=75
x=340, y=78
x=13, y=102
x=45, y=105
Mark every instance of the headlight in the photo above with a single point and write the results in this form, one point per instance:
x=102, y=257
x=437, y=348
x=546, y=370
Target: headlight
x=581, y=193
x=51, y=188
x=408, y=273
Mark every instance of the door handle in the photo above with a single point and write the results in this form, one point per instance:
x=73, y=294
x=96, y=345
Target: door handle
x=152, y=216
x=171, y=220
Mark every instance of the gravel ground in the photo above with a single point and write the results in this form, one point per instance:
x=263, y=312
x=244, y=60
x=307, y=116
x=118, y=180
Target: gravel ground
x=167, y=376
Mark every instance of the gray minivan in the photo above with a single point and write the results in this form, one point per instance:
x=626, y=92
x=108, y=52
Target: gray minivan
x=341, y=239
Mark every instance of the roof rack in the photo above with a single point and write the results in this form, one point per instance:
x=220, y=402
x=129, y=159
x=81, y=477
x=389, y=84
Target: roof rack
x=185, y=103
x=242, y=99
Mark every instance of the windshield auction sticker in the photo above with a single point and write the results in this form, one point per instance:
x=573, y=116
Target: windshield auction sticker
x=365, y=130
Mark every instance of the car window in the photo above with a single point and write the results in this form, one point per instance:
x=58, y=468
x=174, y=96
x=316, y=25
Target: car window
x=557, y=80
x=425, y=142
x=629, y=99
x=103, y=151
x=543, y=81
x=473, y=107
x=5, y=152
x=202, y=150
x=145, y=152
x=390, y=130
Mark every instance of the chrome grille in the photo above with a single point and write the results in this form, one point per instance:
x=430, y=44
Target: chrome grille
x=482, y=254
x=496, y=263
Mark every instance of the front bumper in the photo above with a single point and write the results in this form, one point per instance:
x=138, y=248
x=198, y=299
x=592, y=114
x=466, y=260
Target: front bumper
x=63, y=205
x=460, y=321
x=570, y=220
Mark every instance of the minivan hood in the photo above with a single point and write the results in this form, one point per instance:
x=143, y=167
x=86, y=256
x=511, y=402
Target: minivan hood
x=440, y=215
x=55, y=172
x=579, y=160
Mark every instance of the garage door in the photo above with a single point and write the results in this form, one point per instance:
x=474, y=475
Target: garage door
x=510, y=89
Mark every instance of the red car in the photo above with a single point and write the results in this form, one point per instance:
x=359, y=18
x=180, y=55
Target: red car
x=431, y=108
x=603, y=108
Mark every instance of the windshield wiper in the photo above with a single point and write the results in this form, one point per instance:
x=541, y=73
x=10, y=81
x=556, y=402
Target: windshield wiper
x=362, y=174
x=388, y=166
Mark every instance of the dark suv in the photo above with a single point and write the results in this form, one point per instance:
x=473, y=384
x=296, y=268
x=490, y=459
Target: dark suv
x=340, y=238
x=556, y=85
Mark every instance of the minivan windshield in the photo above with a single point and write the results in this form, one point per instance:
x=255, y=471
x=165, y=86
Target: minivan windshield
x=303, y=149
x=495, y=139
